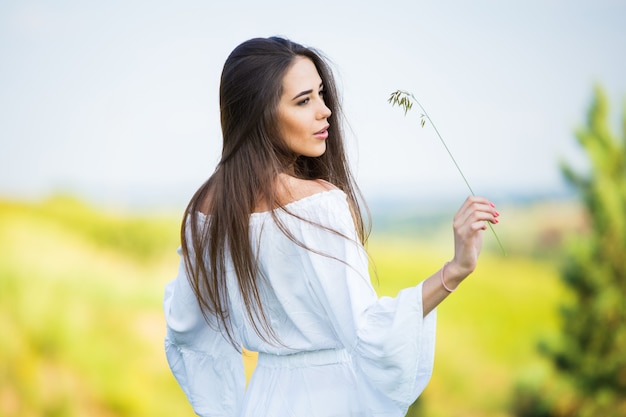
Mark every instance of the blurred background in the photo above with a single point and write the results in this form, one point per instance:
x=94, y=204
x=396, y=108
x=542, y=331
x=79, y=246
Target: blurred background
x=109, y=122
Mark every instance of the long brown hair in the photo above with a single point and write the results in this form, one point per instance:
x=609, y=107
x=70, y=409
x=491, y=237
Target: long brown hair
x=253, y=155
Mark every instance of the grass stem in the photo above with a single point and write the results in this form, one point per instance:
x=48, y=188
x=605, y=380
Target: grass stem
x=405, y=100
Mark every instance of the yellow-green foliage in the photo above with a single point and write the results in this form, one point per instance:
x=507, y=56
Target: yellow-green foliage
x=80, y=316
x=82, y=327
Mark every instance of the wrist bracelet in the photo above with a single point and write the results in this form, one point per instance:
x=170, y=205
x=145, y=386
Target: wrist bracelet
x=443, y=282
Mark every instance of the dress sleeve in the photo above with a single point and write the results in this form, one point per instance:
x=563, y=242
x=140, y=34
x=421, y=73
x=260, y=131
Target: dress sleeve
x=391, y=343
x=207, y=367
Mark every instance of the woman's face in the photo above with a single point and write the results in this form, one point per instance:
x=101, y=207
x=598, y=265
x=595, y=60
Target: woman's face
x=302, y=114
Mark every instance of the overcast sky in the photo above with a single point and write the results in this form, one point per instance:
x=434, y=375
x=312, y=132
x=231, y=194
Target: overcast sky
x=117, y=101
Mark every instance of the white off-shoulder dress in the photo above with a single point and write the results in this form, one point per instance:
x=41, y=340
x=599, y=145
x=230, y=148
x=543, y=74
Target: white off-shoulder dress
x=344, y=351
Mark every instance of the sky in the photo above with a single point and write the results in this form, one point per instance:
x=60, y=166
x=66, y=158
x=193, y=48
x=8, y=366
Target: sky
x=117, y=101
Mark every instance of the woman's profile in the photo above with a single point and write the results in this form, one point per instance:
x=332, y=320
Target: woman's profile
x=273, y=260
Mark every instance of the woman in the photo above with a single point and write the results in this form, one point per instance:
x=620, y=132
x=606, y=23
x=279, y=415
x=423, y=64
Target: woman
x=273, y=261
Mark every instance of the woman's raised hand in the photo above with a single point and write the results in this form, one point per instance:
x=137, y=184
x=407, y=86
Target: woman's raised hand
x=469, y=223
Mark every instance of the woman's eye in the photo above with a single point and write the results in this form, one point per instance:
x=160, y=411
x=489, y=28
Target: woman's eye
x=302, y=102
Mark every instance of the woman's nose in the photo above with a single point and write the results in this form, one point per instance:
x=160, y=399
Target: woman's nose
x=324, y=111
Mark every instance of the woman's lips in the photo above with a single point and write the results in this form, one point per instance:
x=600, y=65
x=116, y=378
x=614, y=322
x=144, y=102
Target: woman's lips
x=322, y=134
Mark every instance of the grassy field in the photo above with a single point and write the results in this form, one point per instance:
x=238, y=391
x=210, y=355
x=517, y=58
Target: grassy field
x=82, y=327
x=487, y=330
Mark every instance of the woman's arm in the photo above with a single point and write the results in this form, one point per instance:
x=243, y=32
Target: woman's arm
x=206, y=366
x=469, y=224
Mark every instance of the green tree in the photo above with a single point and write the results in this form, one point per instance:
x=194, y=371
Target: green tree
x=590, y=358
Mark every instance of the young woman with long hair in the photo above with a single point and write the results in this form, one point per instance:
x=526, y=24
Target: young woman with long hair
x=273, y=260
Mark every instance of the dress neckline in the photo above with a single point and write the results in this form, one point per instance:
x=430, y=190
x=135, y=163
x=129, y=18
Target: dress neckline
x=289, y=206
x=297, y=203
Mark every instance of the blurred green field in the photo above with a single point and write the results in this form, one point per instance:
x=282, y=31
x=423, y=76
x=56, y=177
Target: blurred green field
x=82, y=327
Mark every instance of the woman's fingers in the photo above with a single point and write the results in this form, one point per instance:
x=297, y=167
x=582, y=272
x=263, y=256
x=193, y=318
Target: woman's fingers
x=475, y=211
x=469, y=223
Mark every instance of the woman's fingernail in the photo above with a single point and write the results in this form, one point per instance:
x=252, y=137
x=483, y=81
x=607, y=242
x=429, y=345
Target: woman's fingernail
x=492, y=205
x=496, y=221
x=497, y=213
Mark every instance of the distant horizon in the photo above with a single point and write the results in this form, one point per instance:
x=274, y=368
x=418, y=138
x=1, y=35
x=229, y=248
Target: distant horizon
x=176, y=198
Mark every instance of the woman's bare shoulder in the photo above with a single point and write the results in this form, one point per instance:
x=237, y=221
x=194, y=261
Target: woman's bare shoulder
x=292, y=189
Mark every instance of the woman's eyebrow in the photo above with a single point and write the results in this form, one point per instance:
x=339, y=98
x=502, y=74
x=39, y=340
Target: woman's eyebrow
x=304, y=93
